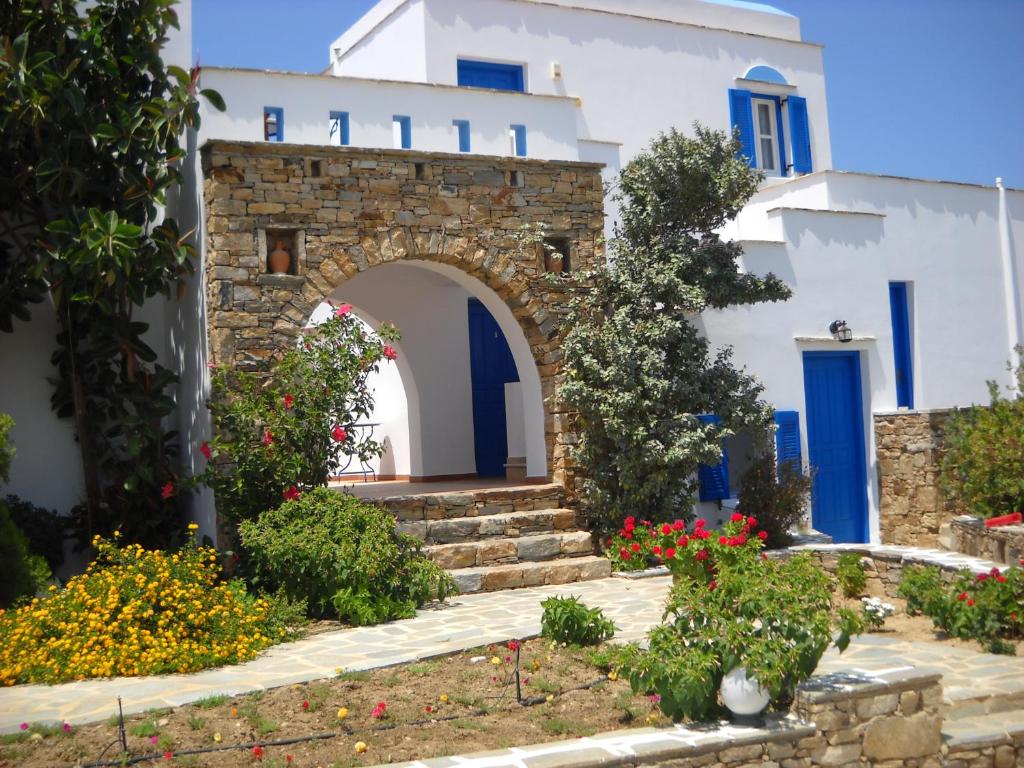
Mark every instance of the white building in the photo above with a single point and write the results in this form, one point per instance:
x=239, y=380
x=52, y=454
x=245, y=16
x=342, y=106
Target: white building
x=923, y=272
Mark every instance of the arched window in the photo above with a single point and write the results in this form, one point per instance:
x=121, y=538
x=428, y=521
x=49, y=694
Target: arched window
x=765, y=74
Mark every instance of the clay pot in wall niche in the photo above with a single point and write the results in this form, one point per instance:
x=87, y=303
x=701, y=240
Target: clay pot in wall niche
x=280, y=259
x=554, y=262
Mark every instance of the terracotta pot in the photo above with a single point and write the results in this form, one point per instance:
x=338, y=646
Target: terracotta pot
x=554, y=265
x=280, y=259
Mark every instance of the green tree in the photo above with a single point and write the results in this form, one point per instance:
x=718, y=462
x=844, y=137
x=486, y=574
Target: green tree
x=983, y=463
x=92, y=121
x=639, y=370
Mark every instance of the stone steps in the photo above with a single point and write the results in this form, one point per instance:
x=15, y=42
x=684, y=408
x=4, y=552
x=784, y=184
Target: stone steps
x=502, y=551
x=990, y=699
x=531, y=574
x=507, y=524
x=445, y=505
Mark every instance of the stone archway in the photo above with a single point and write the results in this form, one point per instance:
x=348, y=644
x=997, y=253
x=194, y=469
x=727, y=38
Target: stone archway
x=341, y=211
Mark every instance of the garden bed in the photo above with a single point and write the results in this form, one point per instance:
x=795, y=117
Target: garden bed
x=480, y=712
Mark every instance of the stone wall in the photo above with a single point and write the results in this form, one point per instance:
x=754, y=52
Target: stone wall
x=909, y=448
x=1004, y=544
x=346, y=210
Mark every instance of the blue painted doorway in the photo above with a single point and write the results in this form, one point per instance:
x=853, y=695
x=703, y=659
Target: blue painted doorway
x=835, y=443
x=491, y=366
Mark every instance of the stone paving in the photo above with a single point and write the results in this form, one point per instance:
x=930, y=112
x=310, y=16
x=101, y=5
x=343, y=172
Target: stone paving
x=464, y=622
x=974, y=682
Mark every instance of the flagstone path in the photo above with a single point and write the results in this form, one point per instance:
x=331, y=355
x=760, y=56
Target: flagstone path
x=974, y=682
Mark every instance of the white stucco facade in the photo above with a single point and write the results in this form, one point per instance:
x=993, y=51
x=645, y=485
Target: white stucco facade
x=600, y=79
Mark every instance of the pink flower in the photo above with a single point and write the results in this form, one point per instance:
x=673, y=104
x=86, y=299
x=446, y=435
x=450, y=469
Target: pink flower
x=762, y=535
x=670, y=553
x=268, y=437
x=205, y=450
x=343, y=310
x=288, y=401
x=24, y=726
x=752, y=522
x=339, y=433
x=722, y=540
x=211, y=366
x=380, y=710
x=699, y=523
x=167, y=491
x=513, y=645
x=666, y=529
x=736, y=517
x=389, y=352
x=67, y=727
x=291, y=494
x=154, y=739
x=654, y=698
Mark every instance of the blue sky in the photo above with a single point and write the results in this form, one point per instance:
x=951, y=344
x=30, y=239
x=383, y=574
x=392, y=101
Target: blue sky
x=923, y=88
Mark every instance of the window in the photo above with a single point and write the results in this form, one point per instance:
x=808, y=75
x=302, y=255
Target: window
x=273, y=124
x=486, y=74
x=517, y=137
x=899, y=307
x=339, y=132
x=401, y=130
x=722, y=481
x=462, y=130
x=762, y=121
x=767, y=133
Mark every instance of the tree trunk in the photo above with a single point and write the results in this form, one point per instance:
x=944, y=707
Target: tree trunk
x=90, y=466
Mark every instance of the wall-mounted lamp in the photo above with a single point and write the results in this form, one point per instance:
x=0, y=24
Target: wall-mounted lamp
x=840, y=331
x=556, y=70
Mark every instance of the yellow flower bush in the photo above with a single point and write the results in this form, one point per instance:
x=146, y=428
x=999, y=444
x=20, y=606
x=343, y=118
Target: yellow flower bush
x=137, y=612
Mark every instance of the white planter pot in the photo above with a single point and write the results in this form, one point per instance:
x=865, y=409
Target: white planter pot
x=745, y=698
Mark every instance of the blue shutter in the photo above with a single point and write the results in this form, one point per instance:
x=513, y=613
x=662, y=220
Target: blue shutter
x=787, y=439
x=340, y=125
x=519, y=139
x=741, y=115
x=404, y=123
x=462, y=126
x=899, y=308
x=799, y=134
x=714, y=480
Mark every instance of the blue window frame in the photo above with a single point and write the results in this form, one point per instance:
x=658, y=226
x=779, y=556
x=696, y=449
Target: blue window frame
x=899, y=306
x=518, y=134
x=339, y=135
x=487, y=74
x=462, y=126
x=741, y=117
x=273, y=124
x=402, y=131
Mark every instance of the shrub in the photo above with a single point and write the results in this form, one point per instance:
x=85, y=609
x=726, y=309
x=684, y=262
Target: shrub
x=987, y=607
x=344, y=556
x=44, y=529
x=983, y=461
x=24, y=573
x=771, y=617
x=567, y=620
x=778, y=498
x=138, y=612
x=874, y=612
x=851, y=574
x=281, y=431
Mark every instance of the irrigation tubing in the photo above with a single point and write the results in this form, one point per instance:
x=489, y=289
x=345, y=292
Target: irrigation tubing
x=528, y=702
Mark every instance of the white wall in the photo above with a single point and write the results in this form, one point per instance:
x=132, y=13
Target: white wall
x=634, y=77
x=393, y=48
x=942, y=238
x=307, y=101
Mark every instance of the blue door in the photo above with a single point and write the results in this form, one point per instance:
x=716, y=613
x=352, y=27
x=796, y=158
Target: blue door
x=835, y=442
x=490, y=366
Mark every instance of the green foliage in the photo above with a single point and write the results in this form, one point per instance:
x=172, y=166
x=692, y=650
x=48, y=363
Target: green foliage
x=92, y=125
x=983, y=463
x=567, y=620
x=771, y=617
x=344, y=556
x=291, y=427
x=639, y=370
x=778, y=498
x=43, y=528
x=853, y=579
x=6, y=446
x=24, y=573
x=988, y=607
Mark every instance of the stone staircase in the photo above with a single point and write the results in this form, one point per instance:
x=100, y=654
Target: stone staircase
x=500, y=538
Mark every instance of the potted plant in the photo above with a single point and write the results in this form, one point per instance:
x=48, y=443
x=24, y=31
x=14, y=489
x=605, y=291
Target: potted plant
x=554, y=261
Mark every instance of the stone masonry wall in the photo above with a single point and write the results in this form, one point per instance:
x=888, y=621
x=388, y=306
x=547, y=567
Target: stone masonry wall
x=909, y=449
x=1004, y=544
x=346, y=210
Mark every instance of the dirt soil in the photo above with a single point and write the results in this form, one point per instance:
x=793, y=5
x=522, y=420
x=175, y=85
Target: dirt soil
x=455, y=705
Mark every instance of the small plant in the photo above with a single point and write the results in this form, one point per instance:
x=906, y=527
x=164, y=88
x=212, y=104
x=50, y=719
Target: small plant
x=25, y=573
x=853, y=579
x=344, y=556
x=261, y=724
x=923, y=588
x=567, y=620
x=983, y=458
x=777, y=497
x=874, y=612
x=195, y=722
x=211, y=702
